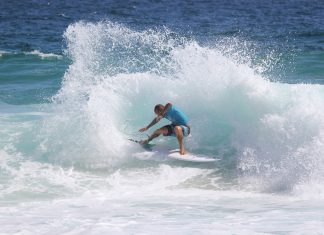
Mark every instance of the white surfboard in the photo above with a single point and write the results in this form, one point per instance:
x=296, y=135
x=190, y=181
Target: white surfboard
x=162, y=152
x=189, y=157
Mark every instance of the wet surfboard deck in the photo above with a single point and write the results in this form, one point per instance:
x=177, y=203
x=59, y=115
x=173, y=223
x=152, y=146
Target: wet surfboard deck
x=163, y=151
x=189, y=157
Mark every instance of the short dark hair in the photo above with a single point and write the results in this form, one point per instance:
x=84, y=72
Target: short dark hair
x=158, y=108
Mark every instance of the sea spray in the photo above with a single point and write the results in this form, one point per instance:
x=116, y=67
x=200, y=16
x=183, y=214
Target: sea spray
x=261, y=128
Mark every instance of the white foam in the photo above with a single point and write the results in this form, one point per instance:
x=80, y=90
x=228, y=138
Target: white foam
x=43, y=55
x=2, y=53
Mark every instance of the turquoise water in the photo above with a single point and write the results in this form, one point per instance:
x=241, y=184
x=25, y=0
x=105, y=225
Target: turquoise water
x=77, y=80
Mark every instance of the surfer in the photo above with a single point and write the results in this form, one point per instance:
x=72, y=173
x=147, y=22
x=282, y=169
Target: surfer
x=179, y=124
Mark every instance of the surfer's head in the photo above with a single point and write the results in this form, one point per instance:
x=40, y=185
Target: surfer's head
x=158, y=109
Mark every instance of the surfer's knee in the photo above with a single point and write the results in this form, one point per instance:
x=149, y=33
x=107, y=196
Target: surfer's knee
x=178, y=131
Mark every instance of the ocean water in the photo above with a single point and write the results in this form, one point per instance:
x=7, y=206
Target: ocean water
x=78, y=78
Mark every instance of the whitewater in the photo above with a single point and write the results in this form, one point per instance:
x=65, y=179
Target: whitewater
x=66, y=166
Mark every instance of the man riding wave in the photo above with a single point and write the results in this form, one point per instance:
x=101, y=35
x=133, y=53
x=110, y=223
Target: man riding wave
x=179, y=126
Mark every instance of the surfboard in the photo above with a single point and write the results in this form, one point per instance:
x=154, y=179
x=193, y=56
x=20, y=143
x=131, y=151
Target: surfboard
x=189, y=157
x=158, y=152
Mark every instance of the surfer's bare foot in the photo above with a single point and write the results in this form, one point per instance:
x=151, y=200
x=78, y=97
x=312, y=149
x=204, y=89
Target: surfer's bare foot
x=182, y=152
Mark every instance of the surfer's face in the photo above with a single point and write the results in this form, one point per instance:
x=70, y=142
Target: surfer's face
x=158, y=109
x=158, y=112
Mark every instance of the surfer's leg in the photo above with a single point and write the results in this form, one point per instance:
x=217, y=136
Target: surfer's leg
x=157, y=133
x=178, y=132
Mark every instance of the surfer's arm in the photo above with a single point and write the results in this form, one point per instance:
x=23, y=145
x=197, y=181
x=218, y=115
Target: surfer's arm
x=155, y=120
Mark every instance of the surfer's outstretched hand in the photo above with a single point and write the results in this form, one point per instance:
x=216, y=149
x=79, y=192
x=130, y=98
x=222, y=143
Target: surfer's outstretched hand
x=142, y=129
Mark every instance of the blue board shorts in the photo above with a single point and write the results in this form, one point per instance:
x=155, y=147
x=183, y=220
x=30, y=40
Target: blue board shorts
x=185, y=130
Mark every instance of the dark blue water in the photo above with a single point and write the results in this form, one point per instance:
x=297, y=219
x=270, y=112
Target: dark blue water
x=28, y=25
x=291, y=29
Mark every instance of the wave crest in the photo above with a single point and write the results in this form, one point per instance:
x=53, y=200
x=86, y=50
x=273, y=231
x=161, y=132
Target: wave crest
x=272, y=130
